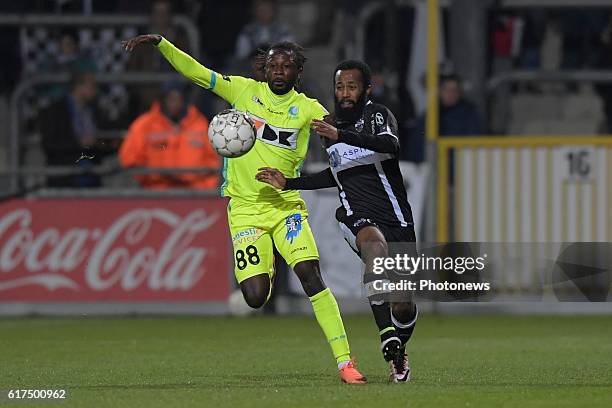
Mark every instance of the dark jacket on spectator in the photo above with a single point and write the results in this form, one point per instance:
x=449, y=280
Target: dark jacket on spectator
x=461, y=119
x=62, y=148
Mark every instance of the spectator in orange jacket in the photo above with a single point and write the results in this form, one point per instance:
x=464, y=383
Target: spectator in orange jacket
x=171, y=134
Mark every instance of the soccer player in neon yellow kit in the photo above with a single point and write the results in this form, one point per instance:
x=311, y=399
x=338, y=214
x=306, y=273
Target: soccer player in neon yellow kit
x=259, y=215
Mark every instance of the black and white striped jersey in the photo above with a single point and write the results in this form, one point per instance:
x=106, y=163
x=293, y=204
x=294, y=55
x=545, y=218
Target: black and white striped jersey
x=363, y=162
x=364, y=166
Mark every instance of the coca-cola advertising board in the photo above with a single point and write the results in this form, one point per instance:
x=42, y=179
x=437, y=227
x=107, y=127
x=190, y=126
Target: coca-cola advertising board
x=141, y=250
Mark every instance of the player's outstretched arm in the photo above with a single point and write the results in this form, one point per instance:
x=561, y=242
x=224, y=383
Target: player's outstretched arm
x=134, y=42
x=184, y=63
x=383, y=140
x=275, y=178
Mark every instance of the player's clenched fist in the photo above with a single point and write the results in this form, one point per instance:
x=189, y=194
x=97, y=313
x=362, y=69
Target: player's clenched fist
x=132, y=43
x=271, y=176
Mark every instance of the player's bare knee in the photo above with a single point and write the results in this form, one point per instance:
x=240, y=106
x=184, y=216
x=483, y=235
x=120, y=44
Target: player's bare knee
x=309, y=274
x=374, y=249
x=403, y=311
x=255, y=291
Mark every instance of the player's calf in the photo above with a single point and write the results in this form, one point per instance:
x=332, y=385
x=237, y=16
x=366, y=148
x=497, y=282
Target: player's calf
x=309, y=274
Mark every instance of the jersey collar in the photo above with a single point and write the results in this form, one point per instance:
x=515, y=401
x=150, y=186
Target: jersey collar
x=279, y=99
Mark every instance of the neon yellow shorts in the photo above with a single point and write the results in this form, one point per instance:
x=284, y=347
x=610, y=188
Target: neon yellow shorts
x=255, y=228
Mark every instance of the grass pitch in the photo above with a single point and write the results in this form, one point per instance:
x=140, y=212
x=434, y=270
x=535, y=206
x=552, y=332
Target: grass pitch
x=492, y=361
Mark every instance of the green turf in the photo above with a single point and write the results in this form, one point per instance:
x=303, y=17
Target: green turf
x=284, y=362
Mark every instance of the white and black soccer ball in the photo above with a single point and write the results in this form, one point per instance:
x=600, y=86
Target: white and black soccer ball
x=231, y=133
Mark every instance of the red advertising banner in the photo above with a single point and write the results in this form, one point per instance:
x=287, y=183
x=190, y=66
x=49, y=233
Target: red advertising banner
x=114, y=250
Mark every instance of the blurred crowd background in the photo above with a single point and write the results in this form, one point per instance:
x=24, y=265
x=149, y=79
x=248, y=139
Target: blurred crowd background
x=69, y=97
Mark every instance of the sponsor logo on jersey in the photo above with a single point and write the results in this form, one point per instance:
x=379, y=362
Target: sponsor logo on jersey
x=294, y=226
x=293, y=111
x=285, y=138
x=344, y=156
x=379, y=118
x=361, y=222
x=247, y=235
x=299, y=249
x=334, y=158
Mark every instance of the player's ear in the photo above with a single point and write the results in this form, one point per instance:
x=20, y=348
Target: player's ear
x=368, y=90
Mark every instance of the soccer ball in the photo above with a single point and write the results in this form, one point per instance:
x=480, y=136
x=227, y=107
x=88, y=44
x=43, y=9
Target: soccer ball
x=231, y=133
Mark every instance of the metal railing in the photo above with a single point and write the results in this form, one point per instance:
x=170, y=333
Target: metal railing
x=21, y=89
x=592, y=76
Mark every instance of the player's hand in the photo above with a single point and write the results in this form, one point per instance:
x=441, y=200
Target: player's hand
x=325, y=129
x=271, y=176
x=132, y=43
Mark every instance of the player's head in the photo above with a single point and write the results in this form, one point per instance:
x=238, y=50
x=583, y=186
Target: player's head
x=83, y=86
x=450, y=90
x=352, y=85
x=283, y=65
x=174, y=100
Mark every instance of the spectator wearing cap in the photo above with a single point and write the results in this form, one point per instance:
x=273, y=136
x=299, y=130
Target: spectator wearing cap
x=172, y=134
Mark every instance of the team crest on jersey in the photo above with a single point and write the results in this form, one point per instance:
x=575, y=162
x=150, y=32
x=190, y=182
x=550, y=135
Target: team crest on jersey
x=256, y=99
x=294, y=226
x=285, y=138
x=359, y=125
x=293, y=111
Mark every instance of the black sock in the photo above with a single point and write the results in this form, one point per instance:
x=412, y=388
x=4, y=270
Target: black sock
x=380, y=307
x=405, y=329
x=382, y=316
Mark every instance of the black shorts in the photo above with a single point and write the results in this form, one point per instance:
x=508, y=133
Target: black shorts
x=394, y=235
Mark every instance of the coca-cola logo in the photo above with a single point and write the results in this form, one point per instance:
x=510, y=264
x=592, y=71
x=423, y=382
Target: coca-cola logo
x=143, y=247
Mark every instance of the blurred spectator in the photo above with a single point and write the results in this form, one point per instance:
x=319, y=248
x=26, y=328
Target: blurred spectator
x=171, y=134
x=580, y=32
x=68, y=131
x=149, y=59
x=605, y=62
x=265, y=29
x=457, y=117
x=534, y=28
x=400, y=103
x=69, y=58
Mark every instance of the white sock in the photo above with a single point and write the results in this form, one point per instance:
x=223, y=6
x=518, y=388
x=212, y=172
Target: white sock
x=342, y=364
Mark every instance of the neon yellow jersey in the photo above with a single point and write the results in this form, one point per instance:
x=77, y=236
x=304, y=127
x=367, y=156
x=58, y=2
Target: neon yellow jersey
x=282, y=122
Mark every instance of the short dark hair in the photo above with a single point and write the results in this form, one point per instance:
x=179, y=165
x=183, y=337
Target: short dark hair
x=366, y=72
x=450, y=77
x=290, y=47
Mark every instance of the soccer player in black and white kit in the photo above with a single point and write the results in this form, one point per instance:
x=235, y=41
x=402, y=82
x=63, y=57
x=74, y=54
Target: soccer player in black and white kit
x=361, y=139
